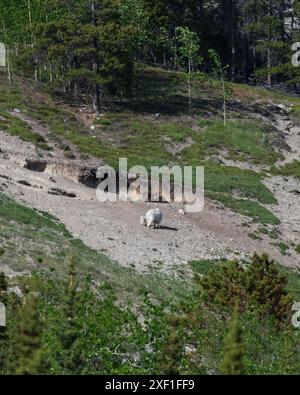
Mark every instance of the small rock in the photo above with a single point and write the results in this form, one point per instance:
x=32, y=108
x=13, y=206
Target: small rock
x=181, y=211
x=25, y=183
x=215, y=159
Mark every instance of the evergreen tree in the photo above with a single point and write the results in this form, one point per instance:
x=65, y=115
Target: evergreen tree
x=88, y=49
x=69, y=332
x=169, y=363
x=30, y=358
x=265, y=24
x=232, y=363
x=267, y=287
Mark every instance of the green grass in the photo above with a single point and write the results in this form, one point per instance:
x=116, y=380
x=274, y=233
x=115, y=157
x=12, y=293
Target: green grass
x=203, y=267
x=241, y=141
x=21, y=129
x=34, y=240
x=239, y=182
x=247, y=207
x=293, y=276
x=283, y=248
x=289, y=170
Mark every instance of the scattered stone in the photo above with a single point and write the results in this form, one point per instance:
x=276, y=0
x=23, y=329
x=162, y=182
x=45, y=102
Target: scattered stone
x=69, y=155
x=215, y=159
x=295, y=192
x=35, y=165
x=60, y=192
x=25, y=183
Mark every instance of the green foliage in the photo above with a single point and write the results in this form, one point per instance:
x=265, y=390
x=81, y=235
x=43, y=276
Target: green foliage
x=266, y=347
x=93, y=46
x=219, y=73
x=28, y=347
x=109, y=338
x=246, y=207
x=259, y=284
x=241, y=141
x=233, y=363
x=16, y=127
x=188, y=54
x=266, y=286
x=84, y=51
x=188, y=46
x=71, y=355
x=172, y=352
x=265, y=26
x=289, y=170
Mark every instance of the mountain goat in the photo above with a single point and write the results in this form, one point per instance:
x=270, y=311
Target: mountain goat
x=152, y=218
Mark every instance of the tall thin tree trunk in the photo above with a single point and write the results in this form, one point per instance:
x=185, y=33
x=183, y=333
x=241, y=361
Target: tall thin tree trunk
x=190, y=86
x=32, y=39
x=50, y=73
x=269, y=67
x=269, y=64
x=7, y=54
x=35, y=70
x=8, y=65
x=224, y=97
x=29, y=13
x=97, y=94
x=75, y=95
x=232, y=34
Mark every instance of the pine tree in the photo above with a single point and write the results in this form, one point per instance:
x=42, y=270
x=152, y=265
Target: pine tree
x=30, y=358
x=267, y=287
x=89, y=49
x=232, y=363
x=69, y=335
x=173, y=350
x=264, y=21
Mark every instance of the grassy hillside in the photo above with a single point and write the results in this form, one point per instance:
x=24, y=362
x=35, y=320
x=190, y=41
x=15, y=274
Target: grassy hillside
x=151, y=128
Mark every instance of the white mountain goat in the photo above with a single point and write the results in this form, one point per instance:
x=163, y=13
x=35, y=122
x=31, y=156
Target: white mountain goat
x=152, y=218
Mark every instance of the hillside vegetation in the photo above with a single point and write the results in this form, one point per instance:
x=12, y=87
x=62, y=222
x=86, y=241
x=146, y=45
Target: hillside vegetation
x=87, y=289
